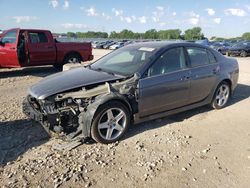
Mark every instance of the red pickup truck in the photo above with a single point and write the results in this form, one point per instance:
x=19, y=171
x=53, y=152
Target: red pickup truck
x=32, y=47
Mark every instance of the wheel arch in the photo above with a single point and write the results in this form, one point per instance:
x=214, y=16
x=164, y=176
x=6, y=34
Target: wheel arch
x=86, y=117
x=71, y=53
x=213, y=91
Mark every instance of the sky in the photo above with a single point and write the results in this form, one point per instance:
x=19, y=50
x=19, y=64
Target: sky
x=221, y=18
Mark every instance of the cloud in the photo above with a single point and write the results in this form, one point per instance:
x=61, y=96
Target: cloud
x=162, y=24
x=107, y=17
x=117, y=12
x=194, y=21
x=193, y=14
x=133, y=17
x=235, y=12
x=142, y=19
x=217, y=20
x=157, y=14
x=160, y=8
x=194, y=18
x=91, y=11
x=74, y=26
x=248, y=7
x=54, y=3
x=20, y=19
x=66, y=4
x=210, y=11
x=128, y=19
x=174, y=13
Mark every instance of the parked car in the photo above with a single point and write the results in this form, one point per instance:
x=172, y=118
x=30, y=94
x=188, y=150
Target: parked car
x=204, y=42
x=221, y=47
x=136, y=83
x=116, y=45
x=106, y=46
x=94, y=43
x=240, y=49
x=100, y=45
x=32, y=47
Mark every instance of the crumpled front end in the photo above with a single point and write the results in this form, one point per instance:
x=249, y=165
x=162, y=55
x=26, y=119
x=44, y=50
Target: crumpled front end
x=72, y=112
x=54, y=114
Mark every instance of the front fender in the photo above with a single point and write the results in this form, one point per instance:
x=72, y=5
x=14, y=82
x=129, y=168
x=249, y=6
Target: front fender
x=86, y=117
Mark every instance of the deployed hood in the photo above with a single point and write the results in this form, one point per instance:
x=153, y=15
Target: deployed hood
x=63, y=81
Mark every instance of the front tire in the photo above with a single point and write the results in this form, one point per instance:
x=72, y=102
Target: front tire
x=221, y=95
x=110, y=123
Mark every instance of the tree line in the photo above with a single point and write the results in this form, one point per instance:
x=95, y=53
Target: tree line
x=170, y=34
x=245, y=36
x=190, y=34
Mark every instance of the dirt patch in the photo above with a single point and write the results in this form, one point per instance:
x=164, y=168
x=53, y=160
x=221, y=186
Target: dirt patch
x=198, y=148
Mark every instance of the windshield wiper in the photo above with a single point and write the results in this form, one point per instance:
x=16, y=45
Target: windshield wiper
x=101, y=70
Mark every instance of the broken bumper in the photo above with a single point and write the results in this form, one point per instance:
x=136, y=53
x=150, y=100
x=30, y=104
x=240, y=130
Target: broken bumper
x=32, y=113
x=35, y=115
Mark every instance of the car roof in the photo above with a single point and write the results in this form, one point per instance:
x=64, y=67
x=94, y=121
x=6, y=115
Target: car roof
x=163, y=44
x=34, y=30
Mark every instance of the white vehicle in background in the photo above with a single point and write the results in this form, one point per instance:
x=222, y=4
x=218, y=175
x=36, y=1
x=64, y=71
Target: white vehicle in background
x=116, y=45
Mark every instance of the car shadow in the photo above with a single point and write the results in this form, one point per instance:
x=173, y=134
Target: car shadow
x=16, y=137
x=29, y=71
x=242, y=92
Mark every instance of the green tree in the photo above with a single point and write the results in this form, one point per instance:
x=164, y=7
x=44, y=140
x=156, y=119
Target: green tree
x=193, y=34
x=126, y=34
x=71, y=34
x=246, y=36
x=213, y=38
x=92, y=34
x=151, y=34
x=113, y=35
x=169, y=34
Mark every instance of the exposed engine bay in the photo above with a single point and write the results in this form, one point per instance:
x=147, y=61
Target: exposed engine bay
x=70, y=113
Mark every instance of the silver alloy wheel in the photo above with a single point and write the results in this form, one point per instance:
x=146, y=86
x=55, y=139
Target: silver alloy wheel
x=73, y=60
x=222, y=95
x=112, y=123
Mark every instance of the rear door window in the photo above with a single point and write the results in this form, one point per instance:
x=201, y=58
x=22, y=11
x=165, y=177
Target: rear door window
x=38, y=37
x=211, y=57
x=198, y=56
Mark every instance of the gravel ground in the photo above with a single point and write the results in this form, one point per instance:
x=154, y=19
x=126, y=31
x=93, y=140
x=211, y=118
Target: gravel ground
x=198, y=148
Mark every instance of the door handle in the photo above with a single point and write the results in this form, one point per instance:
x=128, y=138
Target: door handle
x=12, y=48
x=49, y=47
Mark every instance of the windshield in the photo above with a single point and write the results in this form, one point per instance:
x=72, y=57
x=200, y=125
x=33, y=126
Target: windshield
x=125, y=61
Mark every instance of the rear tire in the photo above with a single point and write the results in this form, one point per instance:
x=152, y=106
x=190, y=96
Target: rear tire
x=110, y=123
x=221, y=96
x=73, y=58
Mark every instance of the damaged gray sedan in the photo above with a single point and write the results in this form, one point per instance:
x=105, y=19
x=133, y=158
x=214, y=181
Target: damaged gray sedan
x=133, y=84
